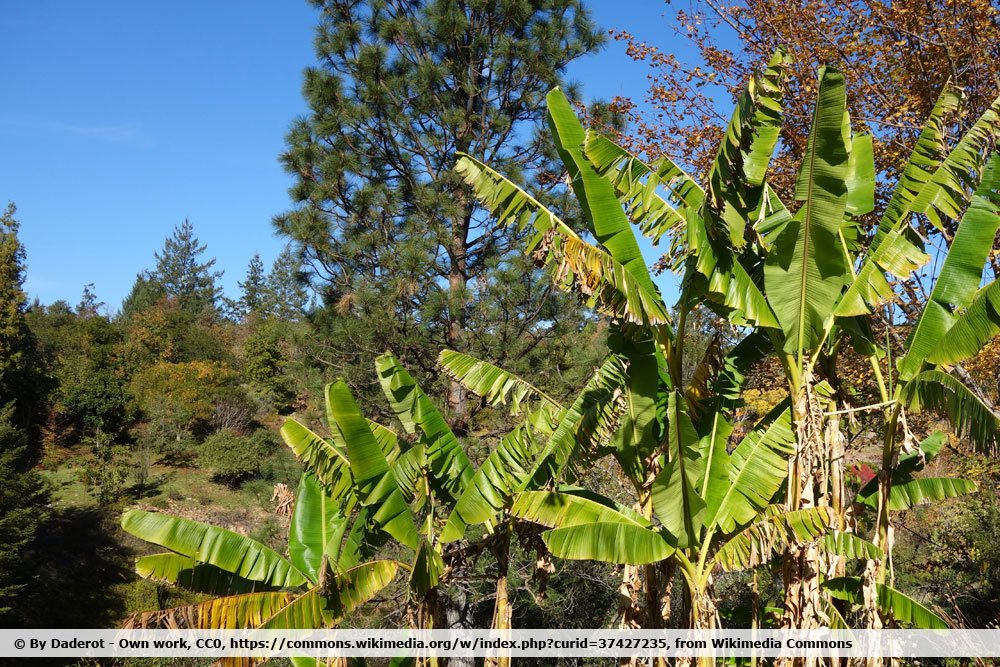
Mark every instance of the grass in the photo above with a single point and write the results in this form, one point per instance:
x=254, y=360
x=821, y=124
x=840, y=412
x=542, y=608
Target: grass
x=170, y=485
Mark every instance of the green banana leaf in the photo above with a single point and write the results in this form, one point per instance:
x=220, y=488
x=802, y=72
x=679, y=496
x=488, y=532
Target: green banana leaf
x=805, y=271
x=375, y=483
x=188, y=573
x=317, y=527
x=890, y=602
x=222, y=548
x=450, y=468
x=492, y=383
x=622, y=543
x=761, y=541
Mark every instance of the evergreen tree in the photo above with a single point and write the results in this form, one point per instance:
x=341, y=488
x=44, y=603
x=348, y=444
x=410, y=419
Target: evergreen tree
x=89, y=305
x=403, y=254
x=145, y=293
x=23, y=497
x=285, y=291
x=17, y=348
x=181, y=273
x=254, y=289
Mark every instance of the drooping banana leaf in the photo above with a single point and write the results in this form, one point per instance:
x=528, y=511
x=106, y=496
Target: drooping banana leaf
x=636, y=185
x=223, y=613
x=761, y=541
x=492, y=383
x=595, y=193
x=571, y=490
x=969, y=416
x=427, y=569
x=974, y=328
x=890, y=603
x=222, y=548
x=575, y=265
x=327, y=462
x=188, y=573
x=851, y=546
x=612, y=542
x=345, y=592
x=908, y=463
x=561, y=510
x=922, y=490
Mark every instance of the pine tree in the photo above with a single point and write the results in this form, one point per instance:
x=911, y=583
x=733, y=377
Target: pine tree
x=182, y=274
x=402, y=253
x=254, y=289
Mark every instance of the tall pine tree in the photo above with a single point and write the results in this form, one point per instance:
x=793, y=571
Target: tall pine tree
x=404, y=257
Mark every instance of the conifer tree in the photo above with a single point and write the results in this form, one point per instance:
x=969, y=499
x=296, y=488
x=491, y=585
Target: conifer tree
x=285, y=294
x=17, y=348
x=404, y=257
x=183, y=275
x=254, y=289
x=22, y=495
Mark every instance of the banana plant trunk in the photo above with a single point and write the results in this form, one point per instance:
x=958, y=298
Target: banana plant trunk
x=808, y=486
x=502, y=612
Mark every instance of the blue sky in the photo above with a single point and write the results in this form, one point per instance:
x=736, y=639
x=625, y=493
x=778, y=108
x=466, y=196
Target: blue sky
x=120, y=119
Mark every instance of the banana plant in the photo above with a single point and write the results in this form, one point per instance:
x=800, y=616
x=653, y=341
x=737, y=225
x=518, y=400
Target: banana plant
x=674, y=456
x=547, y=443
x=756, y=263
x=823, y=295
x=328, y=574
x=738, y=525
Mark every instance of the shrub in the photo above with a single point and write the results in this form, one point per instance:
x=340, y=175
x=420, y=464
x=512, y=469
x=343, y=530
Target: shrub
x=106, y=473
x=233, y=458
x=181, y=398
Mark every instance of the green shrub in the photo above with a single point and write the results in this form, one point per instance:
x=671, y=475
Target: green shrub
x=233, y=458
x=106, y=473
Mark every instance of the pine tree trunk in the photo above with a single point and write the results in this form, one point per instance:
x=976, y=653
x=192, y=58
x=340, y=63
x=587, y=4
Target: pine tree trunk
x=457, y=280
x=458, y=616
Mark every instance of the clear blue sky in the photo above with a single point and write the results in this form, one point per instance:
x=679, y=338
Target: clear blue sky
x=121, y=118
